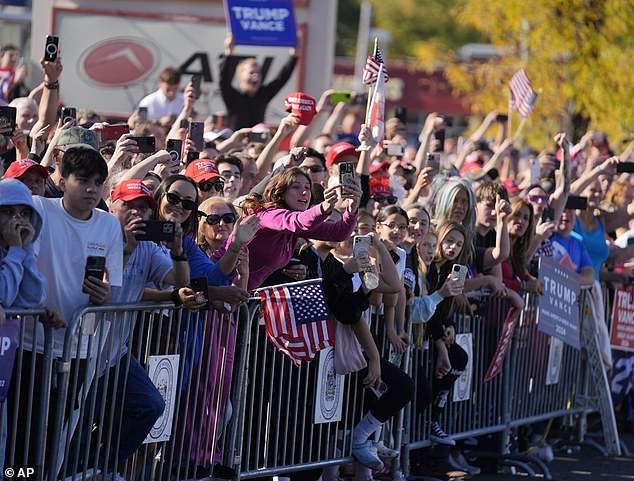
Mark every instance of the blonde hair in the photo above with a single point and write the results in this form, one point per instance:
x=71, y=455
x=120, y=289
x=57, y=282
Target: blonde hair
x=204, y=209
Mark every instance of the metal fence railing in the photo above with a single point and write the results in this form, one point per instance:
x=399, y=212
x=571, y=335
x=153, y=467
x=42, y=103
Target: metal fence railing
x=222, y=398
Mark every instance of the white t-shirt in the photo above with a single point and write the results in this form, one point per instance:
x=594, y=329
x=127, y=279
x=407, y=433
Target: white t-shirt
x=62, y=248
x=158, y=106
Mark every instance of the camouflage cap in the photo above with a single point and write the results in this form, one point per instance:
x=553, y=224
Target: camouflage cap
x=78, y=137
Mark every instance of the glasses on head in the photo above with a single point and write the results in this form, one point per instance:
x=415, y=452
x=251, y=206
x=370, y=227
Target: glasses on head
x=393, y=226
x=315, y=168
x=538, y=199
x=214, y=219
x=381, y=199
x=206, y=186
x=175, y=200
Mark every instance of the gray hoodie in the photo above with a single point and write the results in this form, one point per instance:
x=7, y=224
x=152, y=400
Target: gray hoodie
x=21, y=284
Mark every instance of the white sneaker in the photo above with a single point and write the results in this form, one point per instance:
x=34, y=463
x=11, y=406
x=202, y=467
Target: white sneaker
x=384, y=452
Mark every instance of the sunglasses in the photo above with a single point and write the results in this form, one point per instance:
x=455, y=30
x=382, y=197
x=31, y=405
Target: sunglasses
x=214, y=219
x=175, y=200
x=380, y=198
x=538, y=199
x=207, y=186
x=315, y=168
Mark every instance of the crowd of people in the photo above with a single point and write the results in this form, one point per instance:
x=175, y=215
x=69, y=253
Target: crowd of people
x=447, y=223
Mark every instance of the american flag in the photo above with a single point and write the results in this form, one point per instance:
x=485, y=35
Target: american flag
x=296, y=319
x=523, y=97
x=371, y=69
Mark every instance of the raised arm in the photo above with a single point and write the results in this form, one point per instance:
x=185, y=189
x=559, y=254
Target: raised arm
x=305, y=132
x=47, y=114
x=433, y=122
x=265, y=159
x=560, y=196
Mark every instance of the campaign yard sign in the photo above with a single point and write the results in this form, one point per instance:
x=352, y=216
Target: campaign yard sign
x=558, y=313
x=622, y=335
x=262, y=22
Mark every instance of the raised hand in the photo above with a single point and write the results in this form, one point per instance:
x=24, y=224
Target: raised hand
x=245, y=229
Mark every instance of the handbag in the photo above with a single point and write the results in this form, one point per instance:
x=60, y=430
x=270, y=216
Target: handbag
x=348, y=353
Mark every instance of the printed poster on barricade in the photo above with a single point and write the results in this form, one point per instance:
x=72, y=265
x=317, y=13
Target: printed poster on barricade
x=555, y=355
x=163, y=372
x=262, y=22
x=622, y=329
x=9, y=332
x=462, y=386
x=329, y=392
x=558, y=312
x=497, y=363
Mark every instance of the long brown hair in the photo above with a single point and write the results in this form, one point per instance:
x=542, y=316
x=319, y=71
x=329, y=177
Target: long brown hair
x=443, y=231
x=520, y=246
x=273, y=196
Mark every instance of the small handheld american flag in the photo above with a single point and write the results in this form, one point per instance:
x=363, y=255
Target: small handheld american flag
x=371, y=69
x=523, y=97
x=296, y=319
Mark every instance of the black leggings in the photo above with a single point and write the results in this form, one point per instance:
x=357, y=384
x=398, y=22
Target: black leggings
x=400, y=390
x=458, y=359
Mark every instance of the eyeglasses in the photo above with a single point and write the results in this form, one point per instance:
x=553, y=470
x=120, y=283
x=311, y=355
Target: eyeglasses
x=315, y=169
x=214, y=219
x=175, y=200
x=538, y=199
x=380, y=198
x=206, y=186
x=393, y=226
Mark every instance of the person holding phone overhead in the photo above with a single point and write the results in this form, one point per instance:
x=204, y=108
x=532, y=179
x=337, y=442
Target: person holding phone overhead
x=246, y=105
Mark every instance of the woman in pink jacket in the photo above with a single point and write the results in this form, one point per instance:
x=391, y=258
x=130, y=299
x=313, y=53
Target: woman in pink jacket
x=285, y=216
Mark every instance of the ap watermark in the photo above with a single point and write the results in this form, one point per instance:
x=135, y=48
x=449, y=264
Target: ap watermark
x=19, y=472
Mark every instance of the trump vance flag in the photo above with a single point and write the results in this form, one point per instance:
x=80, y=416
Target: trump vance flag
x=296, y=319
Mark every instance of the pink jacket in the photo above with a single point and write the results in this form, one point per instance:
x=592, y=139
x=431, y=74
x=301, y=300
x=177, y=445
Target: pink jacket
x=273, y=245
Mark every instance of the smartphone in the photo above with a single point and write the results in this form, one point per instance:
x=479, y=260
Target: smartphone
x=535, y=171
x=200, y=287
x=341, y=97
x=196, y=79
x=502, y=118
x=68, y=114
x=625, y=168
x=440, y=137
x=459, y=272
x=196, y=131
x=7, y=118
x=114, y=132
x=395, y=150
x=142, y=114
x=192, y=156
x=157, y=231
x=51, y=48
x=184, y=124
x=548, y=214
x=361, y=245
x=346, y=173
x=401, y=114
x=146, y=145
x=218, y=120
x=293, y=262
x=503, y=193
x=259, y=137
x=379, y=390
x=95, y=267
x=433, y=160
x=360, y=99
x=576, y=203
x=175, y=147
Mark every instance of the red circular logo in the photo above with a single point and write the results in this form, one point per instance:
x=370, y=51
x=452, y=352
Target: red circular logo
x=118, y=62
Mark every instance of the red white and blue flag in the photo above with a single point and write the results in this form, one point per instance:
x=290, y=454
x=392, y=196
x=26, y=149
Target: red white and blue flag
x=296, y=319
x=376, y=117
x=371, y=69
x=523, y=97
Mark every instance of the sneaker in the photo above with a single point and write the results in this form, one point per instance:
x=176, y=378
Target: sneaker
x=384, y=452
x=458, y=461
x=365, y=454
x=438, y=435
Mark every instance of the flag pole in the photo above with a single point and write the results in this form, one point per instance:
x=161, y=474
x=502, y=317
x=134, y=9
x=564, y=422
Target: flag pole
x=519, y=129
x=367, y=106
x=510, y=115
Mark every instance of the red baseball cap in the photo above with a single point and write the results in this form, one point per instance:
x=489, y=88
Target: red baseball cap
x=132, y=189
x=380, y=185
x=201, y=170
x=19, y=167
x=302, y=105
x=337, y=151
x=511, y=186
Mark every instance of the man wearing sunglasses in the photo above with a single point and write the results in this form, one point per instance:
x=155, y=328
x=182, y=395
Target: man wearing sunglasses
x=314, y=164
x=209, y=181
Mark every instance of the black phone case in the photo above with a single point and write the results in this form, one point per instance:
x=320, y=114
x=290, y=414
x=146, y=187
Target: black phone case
x=196, y=130
x=146, y=145
x=157, y=231
x=8, y=116
x=51, y=48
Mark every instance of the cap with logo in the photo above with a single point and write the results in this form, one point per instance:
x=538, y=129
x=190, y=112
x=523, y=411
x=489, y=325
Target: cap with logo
x=338, y=151
x=78, y=137
x=302, y=105
x=201, y=170
x=132, y=189
x=20, y=167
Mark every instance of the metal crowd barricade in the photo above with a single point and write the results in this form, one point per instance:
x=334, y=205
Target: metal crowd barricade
x=190, y=355
x=27, y=403
x=277, y=434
